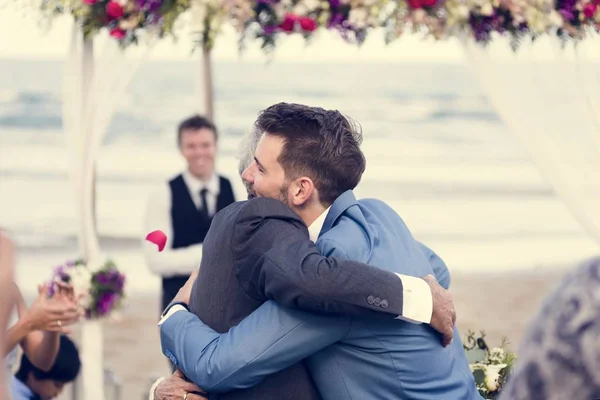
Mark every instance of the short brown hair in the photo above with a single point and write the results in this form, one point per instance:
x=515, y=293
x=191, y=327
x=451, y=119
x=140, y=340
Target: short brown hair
x=321, y=144
x=196, y=122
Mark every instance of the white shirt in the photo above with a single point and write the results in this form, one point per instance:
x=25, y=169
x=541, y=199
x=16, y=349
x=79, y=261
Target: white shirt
x=183, y=260
x=417, y=300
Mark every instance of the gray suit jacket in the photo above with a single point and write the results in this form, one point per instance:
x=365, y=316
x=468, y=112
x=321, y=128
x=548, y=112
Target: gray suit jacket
x=259, y=250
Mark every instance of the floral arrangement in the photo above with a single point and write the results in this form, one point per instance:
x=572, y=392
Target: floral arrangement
x=100, y=291
x=264, y=20
x=351, y=18
x=490, y=367
x=125, y=20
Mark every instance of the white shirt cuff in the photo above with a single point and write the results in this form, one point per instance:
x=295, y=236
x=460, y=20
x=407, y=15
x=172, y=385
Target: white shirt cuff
x=172, y=310
x=417, y=304
x=153, y=388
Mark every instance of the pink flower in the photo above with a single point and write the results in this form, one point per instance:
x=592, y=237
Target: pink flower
x=308, y=24
x=590, y=10
x=428, y=3
x=114, y=10
x=117, y=33
x=289, y=22
x=90, y=2
x=415, y=4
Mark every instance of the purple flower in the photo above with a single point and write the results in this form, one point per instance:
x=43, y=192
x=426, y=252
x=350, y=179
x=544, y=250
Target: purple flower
x=105, y=304
x=269, y=29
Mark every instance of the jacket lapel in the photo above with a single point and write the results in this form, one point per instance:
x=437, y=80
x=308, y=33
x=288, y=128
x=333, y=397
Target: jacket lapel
x=339, y=206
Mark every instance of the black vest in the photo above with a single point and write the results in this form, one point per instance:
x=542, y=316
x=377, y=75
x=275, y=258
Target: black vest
x=188, y=223
x=189, y=226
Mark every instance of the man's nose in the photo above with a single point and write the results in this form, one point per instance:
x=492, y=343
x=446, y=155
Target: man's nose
x=247, y=175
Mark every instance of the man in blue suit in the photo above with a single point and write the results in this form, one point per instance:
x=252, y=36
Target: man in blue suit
x=348, y=357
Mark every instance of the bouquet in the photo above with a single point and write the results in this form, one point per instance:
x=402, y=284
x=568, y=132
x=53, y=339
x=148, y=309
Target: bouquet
x=100, y=291
x=490, y=367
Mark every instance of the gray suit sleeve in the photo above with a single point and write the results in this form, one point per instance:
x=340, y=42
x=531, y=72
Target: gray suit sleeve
x=275, y=259
x=269, y=340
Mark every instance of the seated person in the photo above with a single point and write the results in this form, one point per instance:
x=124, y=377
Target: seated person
x=32, y=383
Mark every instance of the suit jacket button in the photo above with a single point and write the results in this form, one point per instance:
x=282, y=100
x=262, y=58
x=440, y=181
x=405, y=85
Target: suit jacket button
x=377, y=301
x=384, y=303
x=370, y=299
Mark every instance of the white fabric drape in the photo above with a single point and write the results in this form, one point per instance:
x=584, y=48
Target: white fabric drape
x=549, y=96
x=93, y=87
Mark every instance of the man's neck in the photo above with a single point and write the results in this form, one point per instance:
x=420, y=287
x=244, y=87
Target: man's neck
x=204, y=177
x=311, y=213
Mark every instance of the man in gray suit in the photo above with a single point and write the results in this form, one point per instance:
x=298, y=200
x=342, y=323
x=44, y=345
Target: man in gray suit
x=292, y=272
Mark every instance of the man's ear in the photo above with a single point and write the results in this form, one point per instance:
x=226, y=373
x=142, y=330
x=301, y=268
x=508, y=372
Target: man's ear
x=301, y=191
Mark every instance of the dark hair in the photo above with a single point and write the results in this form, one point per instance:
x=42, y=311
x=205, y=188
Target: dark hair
x=321, y=144
x=65, y=369
x=196, y=122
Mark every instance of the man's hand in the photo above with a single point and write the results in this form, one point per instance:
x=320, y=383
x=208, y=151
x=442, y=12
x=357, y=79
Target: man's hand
x=176, y=387
x=185, y=292
x=444, y=316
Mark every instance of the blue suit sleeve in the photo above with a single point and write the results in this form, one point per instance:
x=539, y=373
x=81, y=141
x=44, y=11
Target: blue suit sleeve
x=437, y=265
x=270, y=339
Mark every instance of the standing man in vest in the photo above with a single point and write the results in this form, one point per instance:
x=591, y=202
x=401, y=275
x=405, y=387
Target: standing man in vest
x=183, y=209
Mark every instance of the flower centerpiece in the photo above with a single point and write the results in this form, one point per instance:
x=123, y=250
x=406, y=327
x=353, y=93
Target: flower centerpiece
x=100, y=291
x=125, y=20
x=490, y=366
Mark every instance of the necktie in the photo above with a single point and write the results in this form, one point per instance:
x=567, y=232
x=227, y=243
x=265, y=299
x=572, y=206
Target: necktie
x=203, y=203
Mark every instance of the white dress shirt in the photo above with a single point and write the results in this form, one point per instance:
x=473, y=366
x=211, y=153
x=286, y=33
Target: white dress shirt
x=417, y=306
x=185, y=260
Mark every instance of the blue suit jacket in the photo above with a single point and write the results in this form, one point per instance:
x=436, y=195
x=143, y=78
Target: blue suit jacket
x=348, y=357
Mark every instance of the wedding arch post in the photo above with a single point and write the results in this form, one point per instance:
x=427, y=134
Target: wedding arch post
x=207, y=86
x=78, y=92
x=93, y=84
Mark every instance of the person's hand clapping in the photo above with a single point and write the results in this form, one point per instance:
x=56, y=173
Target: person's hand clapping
x=55, y=313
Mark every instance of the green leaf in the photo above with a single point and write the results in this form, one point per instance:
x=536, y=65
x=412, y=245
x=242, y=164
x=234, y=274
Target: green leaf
x=479, y=376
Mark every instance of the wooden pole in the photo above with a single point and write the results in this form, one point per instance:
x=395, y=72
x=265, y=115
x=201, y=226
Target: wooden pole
x=207, y=83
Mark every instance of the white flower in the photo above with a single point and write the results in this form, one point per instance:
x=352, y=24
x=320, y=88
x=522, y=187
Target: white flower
x=496, y=355
x=487, y=9
x=463, y=11
x=555, y=19
x=81, y=280
x=492, y=376
x=358, y=17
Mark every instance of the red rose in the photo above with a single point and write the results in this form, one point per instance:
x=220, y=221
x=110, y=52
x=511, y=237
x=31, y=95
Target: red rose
x=308, y=24
x=428, y=3
x=590, y=10
x=415, y=4
x=117, y=33
x=114, y=10
x=289, y=22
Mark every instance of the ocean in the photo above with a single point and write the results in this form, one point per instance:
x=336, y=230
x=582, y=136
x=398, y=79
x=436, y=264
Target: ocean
x=436, y=151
